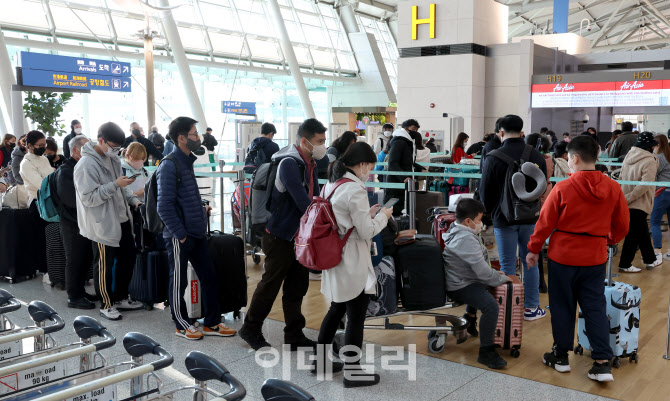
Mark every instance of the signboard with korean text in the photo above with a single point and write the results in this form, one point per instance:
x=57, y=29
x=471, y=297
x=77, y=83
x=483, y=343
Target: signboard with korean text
x=232, y=107
x=63, y=72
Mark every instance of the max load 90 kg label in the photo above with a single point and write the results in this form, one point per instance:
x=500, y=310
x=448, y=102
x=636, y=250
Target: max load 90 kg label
x=102, y=394
x=32, y=377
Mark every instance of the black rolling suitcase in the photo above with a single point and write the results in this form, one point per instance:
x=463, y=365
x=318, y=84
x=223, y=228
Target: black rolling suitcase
x=420, y=274
x=20, y=237
x=227, y=253
x=151, y=275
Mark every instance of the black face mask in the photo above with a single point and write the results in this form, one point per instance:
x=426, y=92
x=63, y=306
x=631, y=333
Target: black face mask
x=39, y=151
x=12, y=146
x=50, y=157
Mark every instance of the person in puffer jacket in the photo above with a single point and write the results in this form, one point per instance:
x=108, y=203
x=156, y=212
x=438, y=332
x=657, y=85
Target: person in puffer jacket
x=185, y=220
x=104, y=217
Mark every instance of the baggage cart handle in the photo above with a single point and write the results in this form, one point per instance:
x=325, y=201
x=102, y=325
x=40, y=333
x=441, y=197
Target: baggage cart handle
x=203, y=367
x=279, y=389
x=27, y=332
x=108, y=341
x=40, y=312
x=8, y=302
x=87, y=327
x=137, y=345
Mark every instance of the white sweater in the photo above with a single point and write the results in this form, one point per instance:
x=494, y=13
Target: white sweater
x=33, y=170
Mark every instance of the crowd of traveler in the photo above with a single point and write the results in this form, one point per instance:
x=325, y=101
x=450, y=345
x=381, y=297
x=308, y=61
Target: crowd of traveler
x=100, y=185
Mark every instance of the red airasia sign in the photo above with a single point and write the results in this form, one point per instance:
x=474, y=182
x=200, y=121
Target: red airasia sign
x=601, y=94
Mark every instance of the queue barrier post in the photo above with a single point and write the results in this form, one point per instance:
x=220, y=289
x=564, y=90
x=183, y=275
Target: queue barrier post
x=667, y=341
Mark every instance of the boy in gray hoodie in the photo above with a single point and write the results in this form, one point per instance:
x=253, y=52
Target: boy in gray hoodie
x=104, y=217
x=469, y=276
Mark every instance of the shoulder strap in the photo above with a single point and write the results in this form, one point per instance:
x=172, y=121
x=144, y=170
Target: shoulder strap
x=337, y=185
x=176, y=166
x=525, y=156
x=502, y=156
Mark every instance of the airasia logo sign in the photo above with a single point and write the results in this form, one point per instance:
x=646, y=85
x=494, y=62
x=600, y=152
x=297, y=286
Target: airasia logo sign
x=194, y=291
x=563, y=88
x=632, y=85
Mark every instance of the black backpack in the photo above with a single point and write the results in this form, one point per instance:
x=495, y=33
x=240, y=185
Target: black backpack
x=149, y=210
x=515, y=210
x=255, y=158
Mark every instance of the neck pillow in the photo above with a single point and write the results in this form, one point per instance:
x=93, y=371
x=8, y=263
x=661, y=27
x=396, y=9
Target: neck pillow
x=532, y=171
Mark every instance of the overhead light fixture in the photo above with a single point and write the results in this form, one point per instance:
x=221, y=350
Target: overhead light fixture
x=581, y=25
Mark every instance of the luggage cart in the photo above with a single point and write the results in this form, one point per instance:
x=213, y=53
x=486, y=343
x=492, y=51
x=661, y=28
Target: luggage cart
x=22, y=376
x=246, y=231
x=40, y=312
x=275, y=389
x=102, y=381
x=7, y=304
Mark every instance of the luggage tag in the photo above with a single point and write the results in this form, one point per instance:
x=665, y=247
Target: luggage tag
x=373, y=249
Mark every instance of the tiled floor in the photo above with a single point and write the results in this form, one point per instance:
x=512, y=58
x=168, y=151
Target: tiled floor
x=436, y=379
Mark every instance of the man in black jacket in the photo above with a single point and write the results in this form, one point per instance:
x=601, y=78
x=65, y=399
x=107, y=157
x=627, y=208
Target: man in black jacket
x=208, y=140
x=402, y=156
x=78, y=250
x=476, y=148
x=136, y=135
x=157, y=139
x=510, y=234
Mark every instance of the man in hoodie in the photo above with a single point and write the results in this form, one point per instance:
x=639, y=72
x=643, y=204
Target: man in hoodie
x=179, y=206
x=18, y=154
x=157, y=139
x=78, y=250
x=383, y=139
x=583, y=215
x=136, y=135
x=104, y=217
x=296, y=184
x=640, y=164
x=469, y=276
x=512, y=235
x=402, y=156
x=625, y=142
x=262, y=148
x=75, y=127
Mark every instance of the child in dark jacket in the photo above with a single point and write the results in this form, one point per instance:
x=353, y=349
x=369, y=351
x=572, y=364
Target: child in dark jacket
x=583, y=214
x=469, y=276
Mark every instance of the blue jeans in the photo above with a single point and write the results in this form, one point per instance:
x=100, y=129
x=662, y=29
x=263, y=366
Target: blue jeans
x=661, y=208
x=508, y=238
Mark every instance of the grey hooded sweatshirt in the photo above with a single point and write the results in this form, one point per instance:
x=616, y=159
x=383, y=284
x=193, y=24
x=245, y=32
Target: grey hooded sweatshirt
x=466, y=260
x=101, y=204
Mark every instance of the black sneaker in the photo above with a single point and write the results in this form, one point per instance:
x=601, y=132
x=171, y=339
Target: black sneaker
x=335, y=366
x=354, y=376
x=489, y=356
x=90, y=297
x=81, y=303
x=560, y=363
x=302, y=343
x=255, y=340
x=601, y=372
x=472, y=325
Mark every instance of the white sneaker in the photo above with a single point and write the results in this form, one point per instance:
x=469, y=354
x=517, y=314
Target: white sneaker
x=128, y=304
x=45, y=278
x=658, y=262
x=314, y=276
x=111, y=313
x=631, y=269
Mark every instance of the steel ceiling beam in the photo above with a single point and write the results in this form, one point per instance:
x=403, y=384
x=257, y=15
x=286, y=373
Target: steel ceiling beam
x=606, y=29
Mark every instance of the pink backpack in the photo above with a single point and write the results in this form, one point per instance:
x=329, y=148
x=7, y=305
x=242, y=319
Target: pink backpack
x=318, y=245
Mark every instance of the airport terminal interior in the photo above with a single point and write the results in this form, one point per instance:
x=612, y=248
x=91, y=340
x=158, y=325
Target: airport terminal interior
x=485, y=134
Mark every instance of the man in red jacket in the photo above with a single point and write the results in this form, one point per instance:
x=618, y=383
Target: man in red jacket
x=583, y=214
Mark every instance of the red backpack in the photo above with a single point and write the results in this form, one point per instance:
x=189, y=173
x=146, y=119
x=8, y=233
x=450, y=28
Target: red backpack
x=318, y=245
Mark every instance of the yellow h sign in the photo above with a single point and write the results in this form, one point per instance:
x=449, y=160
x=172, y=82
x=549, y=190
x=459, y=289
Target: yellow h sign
x=416, y=22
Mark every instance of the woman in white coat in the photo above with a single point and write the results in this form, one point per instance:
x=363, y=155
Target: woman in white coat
x=350, y=284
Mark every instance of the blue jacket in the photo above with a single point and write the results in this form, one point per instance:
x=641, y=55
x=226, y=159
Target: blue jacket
x=290, y=197
x=181, y=210
x=169, y=147
x=268, y=146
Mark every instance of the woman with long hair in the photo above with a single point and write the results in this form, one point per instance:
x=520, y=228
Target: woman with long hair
x=350, y=284
x=662, y=198
x=422, y=152
x=8, y=144
x=458, y=150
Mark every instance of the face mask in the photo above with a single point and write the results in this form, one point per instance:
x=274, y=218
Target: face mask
x=366, y=176
x=111, y=152
x=77, y=131
x=478, y=227
x=572, y=167
x=12, y=145
x=51, y=157
x=193, y=145
x=39, y=151
x=318, y=151
x=136, y=164
x=387, y=133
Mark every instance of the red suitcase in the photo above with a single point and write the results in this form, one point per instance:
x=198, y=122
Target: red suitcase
x=510, y=315
x=441, y=224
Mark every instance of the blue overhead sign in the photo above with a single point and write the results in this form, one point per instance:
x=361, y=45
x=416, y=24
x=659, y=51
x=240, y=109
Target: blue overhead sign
x=51, y=62
x=67, y=80
x=232, y=107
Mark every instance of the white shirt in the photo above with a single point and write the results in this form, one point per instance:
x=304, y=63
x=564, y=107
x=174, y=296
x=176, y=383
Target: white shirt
x=33, y=170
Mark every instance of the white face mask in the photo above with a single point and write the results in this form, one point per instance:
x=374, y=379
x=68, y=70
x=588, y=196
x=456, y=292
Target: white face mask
x=365, y=177
x=478, y=227
x=572, y=167
x=387, y=133
x=77, y=131
x=318, y=151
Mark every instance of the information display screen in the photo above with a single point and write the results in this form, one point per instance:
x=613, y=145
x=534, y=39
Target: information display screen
x=601, y=94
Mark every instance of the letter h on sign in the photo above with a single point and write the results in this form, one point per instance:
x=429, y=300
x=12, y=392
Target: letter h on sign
x=416, y=22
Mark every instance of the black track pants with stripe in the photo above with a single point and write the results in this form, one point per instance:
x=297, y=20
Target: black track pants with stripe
x=114, y=265
x=195, y=251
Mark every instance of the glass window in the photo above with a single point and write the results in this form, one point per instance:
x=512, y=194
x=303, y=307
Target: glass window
x=294, y=32
x=309, y=19
x=316, y=36
x=228, y=44
x=192, y=38
x=254, y=23
x=305, y=5
x=219, y=17
x=127, y=28
x=66, y=21
x=186, y=13
x=323, y=58
x=263, y=49
x=301, y=55
x=24, y=13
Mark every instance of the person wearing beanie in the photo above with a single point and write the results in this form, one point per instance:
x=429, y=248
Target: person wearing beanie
x=75, y=129
x=640, y=164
